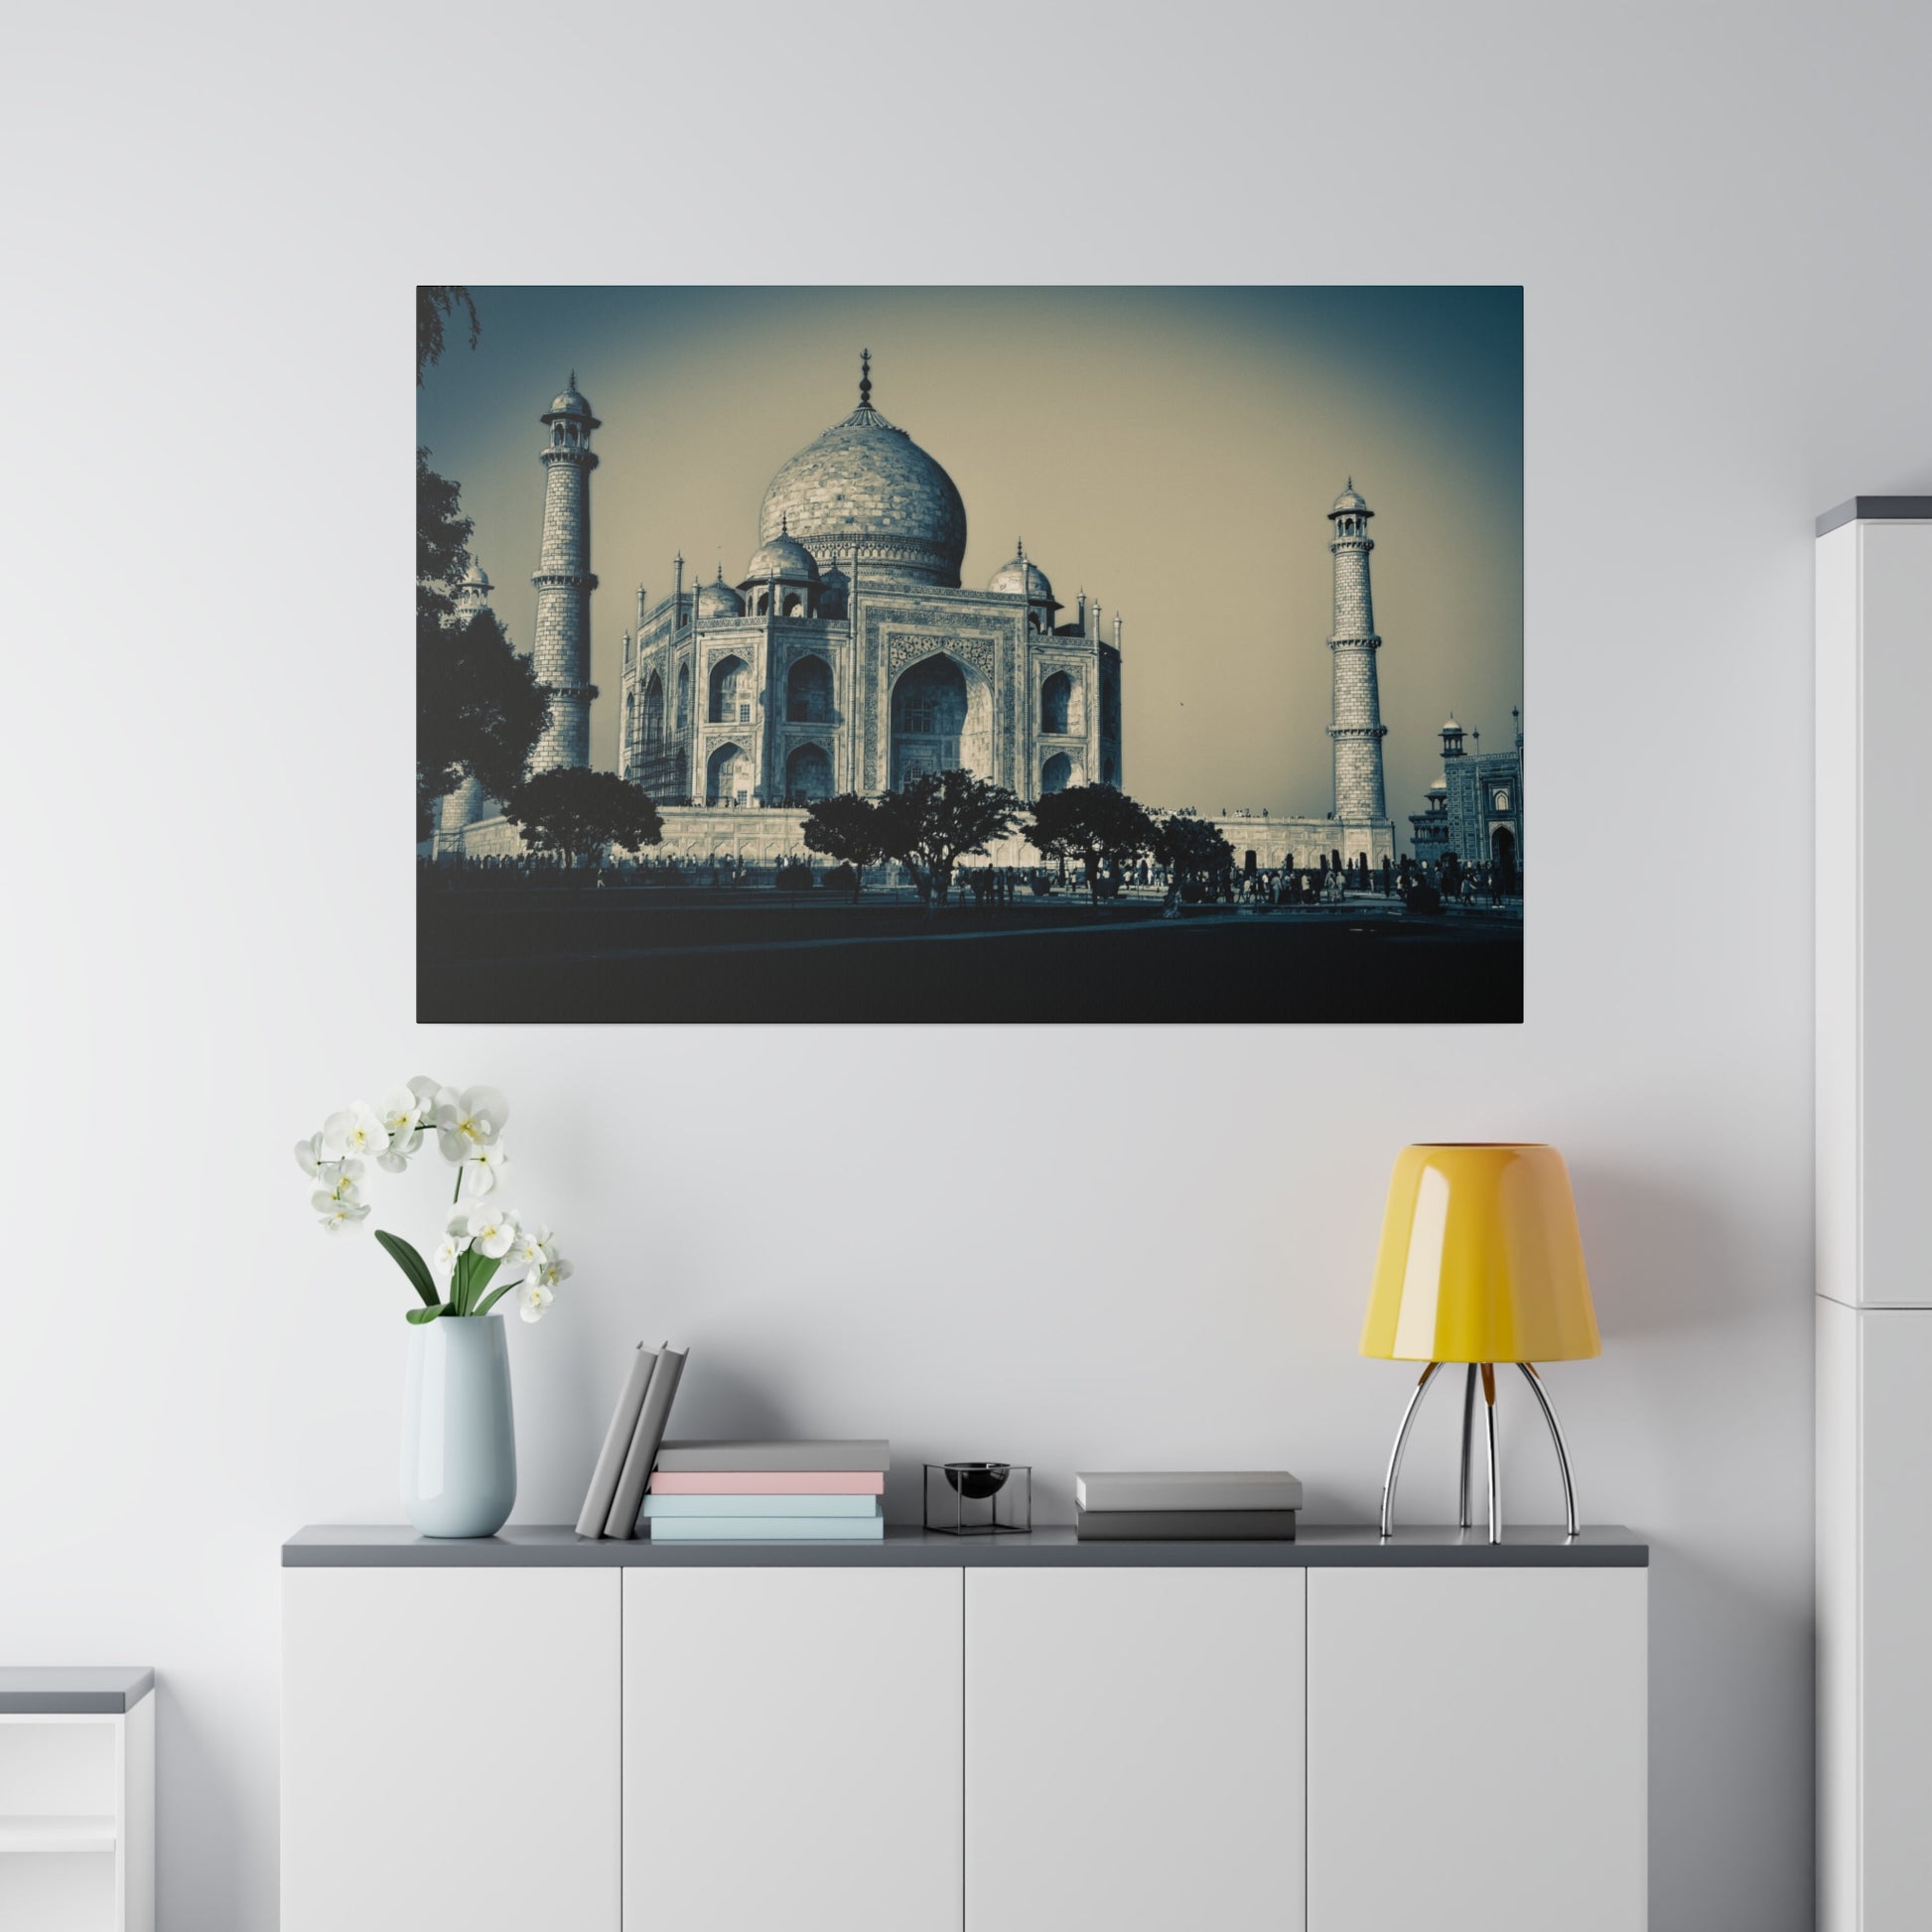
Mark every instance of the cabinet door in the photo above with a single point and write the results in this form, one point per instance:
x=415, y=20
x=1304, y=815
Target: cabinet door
x=791, y=1751
x=1477, y=1751
x=1134, y=1749
x=1895, y=1764
x=450, y=1750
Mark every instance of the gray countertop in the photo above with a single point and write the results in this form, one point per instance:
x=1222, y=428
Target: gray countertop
x=63, y=1690
x=546, y=1546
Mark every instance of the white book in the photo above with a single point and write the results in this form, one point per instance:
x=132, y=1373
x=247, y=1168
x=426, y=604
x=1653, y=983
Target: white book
x=658, y=1507
x=767, y=1529
x=1189, y=1489
x=617, y=1444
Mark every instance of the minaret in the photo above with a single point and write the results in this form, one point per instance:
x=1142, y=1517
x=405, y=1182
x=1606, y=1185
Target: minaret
x=465, y=805
x=1356, y=728
x=564, y=585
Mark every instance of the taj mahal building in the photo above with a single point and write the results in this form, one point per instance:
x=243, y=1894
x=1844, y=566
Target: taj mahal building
x=848, y=657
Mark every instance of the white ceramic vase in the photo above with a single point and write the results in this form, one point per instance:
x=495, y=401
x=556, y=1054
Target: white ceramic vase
x=459, y=1438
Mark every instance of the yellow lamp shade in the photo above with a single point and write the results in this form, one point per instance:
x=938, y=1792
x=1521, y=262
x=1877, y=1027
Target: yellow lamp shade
x=1480, y=1261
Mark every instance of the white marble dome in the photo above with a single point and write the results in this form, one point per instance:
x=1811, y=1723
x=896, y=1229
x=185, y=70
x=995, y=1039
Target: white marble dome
x=719, y=600
x=1017, y=575
x=570, y=403
x=1352, y=500
x=866, y=486
x=783, y=557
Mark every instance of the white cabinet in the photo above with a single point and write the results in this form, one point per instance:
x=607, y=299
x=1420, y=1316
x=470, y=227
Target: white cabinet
x=450, y=1750
x=791, y=1751
x=1477, y=1751
x=1874, y=1610
x=535, y=1734
x=1875, y=1021
x=1134, y=1749
x=77, y=1818
x=1875, y=1269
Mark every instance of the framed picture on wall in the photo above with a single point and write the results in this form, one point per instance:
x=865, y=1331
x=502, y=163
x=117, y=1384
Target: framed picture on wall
x=984, y=655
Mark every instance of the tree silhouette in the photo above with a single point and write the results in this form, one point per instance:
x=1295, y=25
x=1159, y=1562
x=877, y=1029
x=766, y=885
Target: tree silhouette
x=1192, y=847
x=479, y=709
x=846, y=827
x=936, y=820
x=580, y=812
x=1092, y=823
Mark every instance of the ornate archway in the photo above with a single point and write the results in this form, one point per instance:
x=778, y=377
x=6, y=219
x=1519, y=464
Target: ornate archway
x=942, y=720
x=808, y=774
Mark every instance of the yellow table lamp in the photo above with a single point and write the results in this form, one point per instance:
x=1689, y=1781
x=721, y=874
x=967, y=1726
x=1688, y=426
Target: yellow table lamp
x=1481, y=1262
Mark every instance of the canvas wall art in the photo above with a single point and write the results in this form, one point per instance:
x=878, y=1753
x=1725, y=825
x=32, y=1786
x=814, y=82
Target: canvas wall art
x=1029, y=656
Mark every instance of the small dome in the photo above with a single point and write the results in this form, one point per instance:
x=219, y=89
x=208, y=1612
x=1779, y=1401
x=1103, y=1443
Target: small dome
x=1449, y=725
x=474, y=578
x=1018, y=577
x=719, y=600
x=1440, y=785
x=1350, y=501
x=784, y=557
x=570, y=403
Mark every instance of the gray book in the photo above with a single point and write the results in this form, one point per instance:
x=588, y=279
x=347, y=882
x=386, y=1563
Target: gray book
x=617, y=1444
x=737, y=1459
x=644, y=1440
x=1189, y=1489
x=1186, y=1526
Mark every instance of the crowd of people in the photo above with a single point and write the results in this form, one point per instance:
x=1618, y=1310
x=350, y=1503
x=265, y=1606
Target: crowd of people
x=1446, y=880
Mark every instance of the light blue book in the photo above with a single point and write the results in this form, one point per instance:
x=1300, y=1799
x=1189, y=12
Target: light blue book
x=767, y=1529
x=662, y=1506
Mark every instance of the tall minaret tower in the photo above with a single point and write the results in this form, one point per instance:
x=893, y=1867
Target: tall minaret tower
x=465, y=805
x=564, y=583
x=1356, y=728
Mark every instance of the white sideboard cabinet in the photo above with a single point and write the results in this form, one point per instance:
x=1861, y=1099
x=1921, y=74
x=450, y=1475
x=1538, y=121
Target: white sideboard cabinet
x=946, y=1735
x=1874, y=591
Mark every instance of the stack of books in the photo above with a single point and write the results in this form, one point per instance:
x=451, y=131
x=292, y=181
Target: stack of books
x=1212, y=1505
x=775, y=1492
x=630, y=1443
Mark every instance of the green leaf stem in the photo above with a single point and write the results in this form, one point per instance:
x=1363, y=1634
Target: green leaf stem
x=413, y=1265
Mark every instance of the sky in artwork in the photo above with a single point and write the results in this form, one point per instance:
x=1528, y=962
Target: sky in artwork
x=1172, y=451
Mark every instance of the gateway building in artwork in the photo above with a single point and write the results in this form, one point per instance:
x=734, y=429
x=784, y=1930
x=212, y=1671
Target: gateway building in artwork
x=847, y=655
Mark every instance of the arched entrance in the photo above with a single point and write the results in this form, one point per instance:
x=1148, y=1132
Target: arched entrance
x=808, y=692
x=1056, y=774
x=942, y=718
x=1056, y=706
x=1502, y=849
x=728, y=777
x=808, y=774
x=731, y=692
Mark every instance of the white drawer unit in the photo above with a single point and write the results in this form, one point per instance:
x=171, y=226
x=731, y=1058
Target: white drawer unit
x=77, y=1800
x=946, y=1735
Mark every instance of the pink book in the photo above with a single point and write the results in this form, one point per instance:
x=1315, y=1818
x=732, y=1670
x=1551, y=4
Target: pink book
x=769, y=1483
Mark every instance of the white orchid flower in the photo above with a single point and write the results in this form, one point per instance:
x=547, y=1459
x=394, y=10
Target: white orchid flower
x=445, y=1258
x=426, y=1091
x=340, y=1180
x=356, y=1130
x=485, y=1171
x=532, y=1248
x=467, y=1121
x=551, y=1270
x=458, y=1231
x=400, y=1110
x=341, y=1214
x=309, y=1157
x=531, y=1301
x=492, y=1231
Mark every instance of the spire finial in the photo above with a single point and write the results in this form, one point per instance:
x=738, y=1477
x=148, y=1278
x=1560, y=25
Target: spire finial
x=1020, y=548
x=865, y=378
x=721, y=570
x=572, y=383
x=784, y=524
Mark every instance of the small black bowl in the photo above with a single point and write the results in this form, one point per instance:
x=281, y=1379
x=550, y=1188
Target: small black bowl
x=978, y=1480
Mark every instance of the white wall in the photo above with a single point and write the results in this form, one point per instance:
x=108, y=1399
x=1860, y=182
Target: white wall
x=1086, y=1254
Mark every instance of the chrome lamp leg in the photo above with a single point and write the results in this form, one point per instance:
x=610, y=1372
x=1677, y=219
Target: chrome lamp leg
x=1465, y=1519
x=1556, y=1435
x=1395, y=1454
x=1495, y=1468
